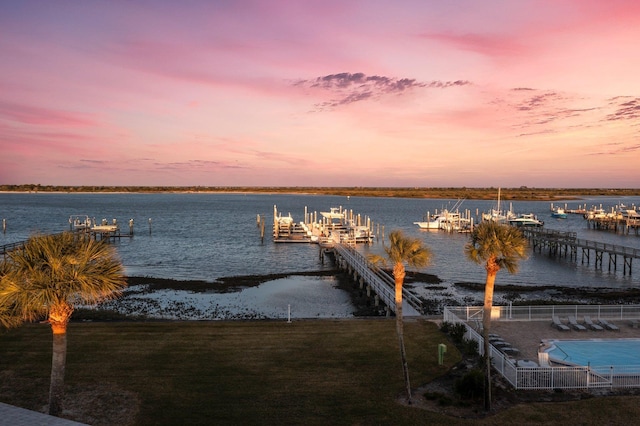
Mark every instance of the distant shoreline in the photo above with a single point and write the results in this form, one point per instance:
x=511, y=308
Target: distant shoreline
x=506, y=194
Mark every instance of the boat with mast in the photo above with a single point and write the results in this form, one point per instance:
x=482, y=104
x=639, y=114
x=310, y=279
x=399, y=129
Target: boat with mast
x=497, y=215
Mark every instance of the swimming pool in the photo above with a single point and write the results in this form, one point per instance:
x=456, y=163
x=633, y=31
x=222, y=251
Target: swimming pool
x=595, y=352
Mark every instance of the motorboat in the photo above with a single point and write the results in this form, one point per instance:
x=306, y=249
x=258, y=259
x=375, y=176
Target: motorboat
x=446, y=220
x=526, y=219
x=559, y=213
x=334, y=213
x=498, y=215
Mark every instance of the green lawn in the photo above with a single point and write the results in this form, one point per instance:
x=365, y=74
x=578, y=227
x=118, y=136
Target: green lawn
x=313, y=372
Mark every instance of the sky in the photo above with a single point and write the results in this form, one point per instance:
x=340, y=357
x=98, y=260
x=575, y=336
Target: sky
x=409, y=93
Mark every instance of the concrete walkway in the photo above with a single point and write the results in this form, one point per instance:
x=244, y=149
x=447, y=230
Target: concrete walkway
x=15, y=416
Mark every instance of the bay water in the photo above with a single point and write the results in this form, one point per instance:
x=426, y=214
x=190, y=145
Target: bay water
x=205, y=236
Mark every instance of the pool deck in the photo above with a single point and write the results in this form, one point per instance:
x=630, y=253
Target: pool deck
x=526, y=336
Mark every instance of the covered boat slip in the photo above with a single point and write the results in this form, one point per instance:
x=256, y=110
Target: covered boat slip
x=334, y=226
x=98, y=230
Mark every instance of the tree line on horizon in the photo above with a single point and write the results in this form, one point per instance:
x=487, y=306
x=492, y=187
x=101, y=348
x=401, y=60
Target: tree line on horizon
x=490, y=193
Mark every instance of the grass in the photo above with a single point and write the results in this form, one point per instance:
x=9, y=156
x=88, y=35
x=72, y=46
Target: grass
x=314, y=372
x=311, y=372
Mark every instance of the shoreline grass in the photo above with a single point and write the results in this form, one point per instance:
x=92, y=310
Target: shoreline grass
x=520, y=193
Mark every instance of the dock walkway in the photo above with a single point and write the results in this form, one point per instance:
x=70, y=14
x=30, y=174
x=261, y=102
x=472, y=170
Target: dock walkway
x=377, y=280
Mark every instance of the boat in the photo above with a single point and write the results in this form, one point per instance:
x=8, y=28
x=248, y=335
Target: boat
x=526, y=220
x=82, y=223
x=79, y=222
x=595, y=213
x=334, y=213
x=435, y=222
x=559, y=213
x=498, y=215
x=446, y=220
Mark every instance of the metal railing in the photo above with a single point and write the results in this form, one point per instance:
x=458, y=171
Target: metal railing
x=545, y=312
x=547, y=376
x=381, y=282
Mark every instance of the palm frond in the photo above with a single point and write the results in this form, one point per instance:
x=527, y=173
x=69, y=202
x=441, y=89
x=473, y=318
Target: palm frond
x=505, y=244
x=58, y=270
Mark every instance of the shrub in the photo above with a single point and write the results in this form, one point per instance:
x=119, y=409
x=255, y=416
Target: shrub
x=471, y=385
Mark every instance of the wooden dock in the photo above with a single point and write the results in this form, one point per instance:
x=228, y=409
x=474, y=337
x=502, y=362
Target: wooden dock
x=377, y=281
x=565, y=244
x=334, y=226
x=623, y=225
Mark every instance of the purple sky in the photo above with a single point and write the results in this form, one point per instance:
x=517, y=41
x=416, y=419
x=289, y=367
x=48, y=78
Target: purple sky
x=321, y=93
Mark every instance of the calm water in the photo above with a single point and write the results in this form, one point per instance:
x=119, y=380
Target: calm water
x=206, y=236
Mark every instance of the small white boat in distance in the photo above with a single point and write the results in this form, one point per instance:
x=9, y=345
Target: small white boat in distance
x=526, y=219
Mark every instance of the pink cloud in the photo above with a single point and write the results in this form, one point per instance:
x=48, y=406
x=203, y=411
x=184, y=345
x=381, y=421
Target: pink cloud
x=44, y=116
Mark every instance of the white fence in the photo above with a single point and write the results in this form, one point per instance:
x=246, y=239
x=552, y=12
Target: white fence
x=545, y=376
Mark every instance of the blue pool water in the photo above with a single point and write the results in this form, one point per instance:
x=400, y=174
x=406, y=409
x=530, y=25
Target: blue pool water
x=596, y=352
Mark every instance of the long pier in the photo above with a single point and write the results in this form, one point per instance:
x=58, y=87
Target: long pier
x=376, y=280
x=565, y=244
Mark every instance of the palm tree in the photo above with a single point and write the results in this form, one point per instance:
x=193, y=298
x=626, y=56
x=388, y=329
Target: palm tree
x=401, y=250
x=498, y=246
x=8, y=317
x=48, y=277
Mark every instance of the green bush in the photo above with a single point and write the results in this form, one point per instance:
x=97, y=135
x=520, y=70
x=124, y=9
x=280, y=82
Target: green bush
x=469, y=347
x=471, y=385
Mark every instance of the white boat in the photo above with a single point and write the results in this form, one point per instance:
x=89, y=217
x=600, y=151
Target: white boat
x=595, y=213
x=446, y=220
x=334, y=213
x=497, y=215
x=435, y=223
x=85, y=224
x=526, y=219
x=79, y=222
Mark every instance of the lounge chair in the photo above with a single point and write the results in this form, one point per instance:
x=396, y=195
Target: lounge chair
x=509, y=350
x=574, y=323
x=635, y=323
x=609, y=326
x=558, y=324
x=591, y=324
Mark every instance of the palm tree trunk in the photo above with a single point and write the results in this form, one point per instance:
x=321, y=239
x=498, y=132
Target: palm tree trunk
x=398, y=274
x=486, y=326
x=58, y=363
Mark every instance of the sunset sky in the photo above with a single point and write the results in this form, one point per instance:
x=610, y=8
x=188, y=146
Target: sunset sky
x=429, y=93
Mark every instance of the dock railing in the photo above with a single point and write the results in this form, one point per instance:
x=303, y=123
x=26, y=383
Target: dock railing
x=6, y=248
x=381, y=282
x=545, y=376
x=570, y=238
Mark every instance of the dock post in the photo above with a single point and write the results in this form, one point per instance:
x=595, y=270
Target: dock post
x=149, y=226
x=130, y=226
x=4, y=226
